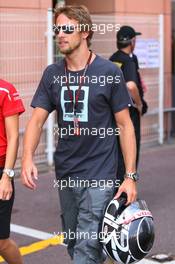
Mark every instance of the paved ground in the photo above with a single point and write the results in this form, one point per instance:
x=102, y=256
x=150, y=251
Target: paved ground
x=40, y=209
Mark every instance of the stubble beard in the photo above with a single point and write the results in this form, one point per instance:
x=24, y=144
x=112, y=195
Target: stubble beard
x=70, y=50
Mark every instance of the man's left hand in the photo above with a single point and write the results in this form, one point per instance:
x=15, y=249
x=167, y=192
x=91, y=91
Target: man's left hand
x=129, y=187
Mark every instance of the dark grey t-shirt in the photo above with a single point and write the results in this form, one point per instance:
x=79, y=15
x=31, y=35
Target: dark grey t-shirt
x=92, y=154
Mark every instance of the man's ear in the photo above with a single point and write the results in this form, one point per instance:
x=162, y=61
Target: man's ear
x=85, y=35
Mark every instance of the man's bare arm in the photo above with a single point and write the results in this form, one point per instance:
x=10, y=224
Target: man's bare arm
x=31, y=141
x=133, y=89
x=128, y=146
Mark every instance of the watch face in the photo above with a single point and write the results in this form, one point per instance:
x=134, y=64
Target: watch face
x=133, y=176
x=11, y=173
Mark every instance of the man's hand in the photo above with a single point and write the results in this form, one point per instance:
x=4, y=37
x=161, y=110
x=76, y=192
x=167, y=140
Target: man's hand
x=129, y=187
x=29, y=173
x=139, y=108
x=5, y=188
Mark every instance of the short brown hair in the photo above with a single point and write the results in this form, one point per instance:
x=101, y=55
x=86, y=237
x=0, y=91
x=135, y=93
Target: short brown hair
x=80, y=14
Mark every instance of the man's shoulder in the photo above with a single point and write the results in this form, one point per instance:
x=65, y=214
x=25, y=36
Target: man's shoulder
x=52, y=71
x=109, y=65
x=120, y=56
x=122, y=60
x=114, y=56
x=54, y=67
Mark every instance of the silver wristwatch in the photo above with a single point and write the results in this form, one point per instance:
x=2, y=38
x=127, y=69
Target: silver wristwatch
x=9, y=172
x=132, y=175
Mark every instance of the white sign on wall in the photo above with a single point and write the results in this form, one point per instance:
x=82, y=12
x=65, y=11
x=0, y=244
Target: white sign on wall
x=147, y=51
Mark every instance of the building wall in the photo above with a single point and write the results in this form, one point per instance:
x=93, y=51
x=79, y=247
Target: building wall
x=20, y=40
x=23, y=46
x=25, y=4
x=134, y=7
x=23, y=53
x=25, y=73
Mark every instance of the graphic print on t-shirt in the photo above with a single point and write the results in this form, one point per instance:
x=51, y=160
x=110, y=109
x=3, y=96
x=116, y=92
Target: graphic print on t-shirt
x=82, y=106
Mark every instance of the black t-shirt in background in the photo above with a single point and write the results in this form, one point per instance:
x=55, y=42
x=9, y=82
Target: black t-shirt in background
x=128, y=63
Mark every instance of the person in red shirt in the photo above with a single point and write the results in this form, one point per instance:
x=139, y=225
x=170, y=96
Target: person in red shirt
x=10, y=108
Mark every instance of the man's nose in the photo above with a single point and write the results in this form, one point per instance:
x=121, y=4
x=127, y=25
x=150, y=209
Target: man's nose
x=61, y=32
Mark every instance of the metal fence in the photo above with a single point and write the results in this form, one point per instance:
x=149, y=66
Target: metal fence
x=27, y=46
x=23, y=49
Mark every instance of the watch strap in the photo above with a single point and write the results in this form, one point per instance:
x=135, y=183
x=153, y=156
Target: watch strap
x=132, y=175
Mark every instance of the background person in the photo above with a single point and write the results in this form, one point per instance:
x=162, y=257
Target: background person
x=128, y=63
x=10, y=108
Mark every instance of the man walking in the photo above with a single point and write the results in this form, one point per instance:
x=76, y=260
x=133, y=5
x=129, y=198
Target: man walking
x=87, y=113
x=128, y=62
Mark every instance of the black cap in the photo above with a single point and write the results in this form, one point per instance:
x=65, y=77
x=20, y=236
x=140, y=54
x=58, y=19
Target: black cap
x=126, y=33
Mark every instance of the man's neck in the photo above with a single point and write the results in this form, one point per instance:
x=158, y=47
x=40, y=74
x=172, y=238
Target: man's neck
x=78, y=59
x=126, y=50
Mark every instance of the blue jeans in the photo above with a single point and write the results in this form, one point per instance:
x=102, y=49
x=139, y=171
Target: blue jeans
x=82, y=213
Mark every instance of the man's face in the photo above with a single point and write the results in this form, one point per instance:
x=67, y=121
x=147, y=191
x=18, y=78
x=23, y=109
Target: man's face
x=67, y=43
x=133, y=43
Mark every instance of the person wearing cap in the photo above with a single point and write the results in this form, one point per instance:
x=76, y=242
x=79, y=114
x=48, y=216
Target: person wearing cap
x=127, y=61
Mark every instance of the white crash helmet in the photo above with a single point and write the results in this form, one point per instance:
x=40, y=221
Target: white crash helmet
x=127, y=231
